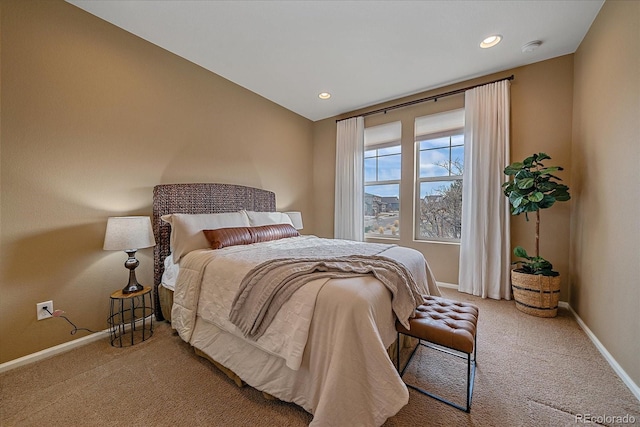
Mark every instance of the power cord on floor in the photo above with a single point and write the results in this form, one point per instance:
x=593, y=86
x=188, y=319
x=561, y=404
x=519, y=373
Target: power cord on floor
x=58, y=313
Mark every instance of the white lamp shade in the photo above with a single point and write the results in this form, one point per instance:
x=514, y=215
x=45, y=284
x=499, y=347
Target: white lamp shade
x=296, y=219
x=128, y=233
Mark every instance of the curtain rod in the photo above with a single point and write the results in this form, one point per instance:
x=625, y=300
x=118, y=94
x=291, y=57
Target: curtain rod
x=429, y=98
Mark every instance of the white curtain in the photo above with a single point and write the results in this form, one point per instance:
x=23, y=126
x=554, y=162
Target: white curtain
x=349, y=202
x=485, y=251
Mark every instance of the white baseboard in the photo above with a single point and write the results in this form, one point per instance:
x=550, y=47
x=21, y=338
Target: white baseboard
x=34, y=357
x=447, y=285
x=626, y=379
x=61, y=348
x=52, y=351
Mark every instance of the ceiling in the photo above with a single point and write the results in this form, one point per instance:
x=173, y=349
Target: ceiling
x=362, y=52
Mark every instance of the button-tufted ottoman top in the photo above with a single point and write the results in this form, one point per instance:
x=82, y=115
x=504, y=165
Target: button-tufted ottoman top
x=444, y=322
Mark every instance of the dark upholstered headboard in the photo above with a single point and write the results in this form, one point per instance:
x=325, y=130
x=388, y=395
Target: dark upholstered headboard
x=198, y=199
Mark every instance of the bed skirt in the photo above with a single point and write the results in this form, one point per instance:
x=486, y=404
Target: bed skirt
x=166, y=302
x=165, y=296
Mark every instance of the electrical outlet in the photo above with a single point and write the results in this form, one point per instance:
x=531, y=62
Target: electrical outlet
x=42, y=313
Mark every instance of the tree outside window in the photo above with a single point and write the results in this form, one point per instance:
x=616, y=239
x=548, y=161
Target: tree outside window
x=440, y=180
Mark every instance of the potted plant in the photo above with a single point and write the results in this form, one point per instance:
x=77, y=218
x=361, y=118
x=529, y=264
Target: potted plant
x=532, y=187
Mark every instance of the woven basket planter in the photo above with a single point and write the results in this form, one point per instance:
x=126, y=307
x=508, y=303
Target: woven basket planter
x=535, y=294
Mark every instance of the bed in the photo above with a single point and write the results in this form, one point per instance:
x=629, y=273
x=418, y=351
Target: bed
x=326, y=348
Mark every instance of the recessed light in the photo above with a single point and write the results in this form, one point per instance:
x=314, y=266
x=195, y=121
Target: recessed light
x=324, y=95
x=490, y=41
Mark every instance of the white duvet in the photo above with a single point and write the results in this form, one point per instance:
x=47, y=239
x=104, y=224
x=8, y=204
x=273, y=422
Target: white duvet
x=326, y=348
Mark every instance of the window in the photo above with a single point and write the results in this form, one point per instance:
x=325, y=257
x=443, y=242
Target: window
x=439, y=176
x=382, y=173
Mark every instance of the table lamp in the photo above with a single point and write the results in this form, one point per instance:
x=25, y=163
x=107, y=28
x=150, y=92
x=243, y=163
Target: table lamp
x=129, y=233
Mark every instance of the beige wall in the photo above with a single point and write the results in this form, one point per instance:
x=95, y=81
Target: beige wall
x=92, y=118
x=541, y=109
x=605, y=226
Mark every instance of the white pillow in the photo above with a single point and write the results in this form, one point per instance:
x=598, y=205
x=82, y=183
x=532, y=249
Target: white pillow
x=186, y=229
x=170, y=273
x=257, y=219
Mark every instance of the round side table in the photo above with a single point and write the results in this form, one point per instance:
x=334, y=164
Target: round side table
x=130, y=317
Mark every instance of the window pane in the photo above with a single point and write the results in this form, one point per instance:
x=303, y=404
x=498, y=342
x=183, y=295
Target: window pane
x=370, y=153
x=389, y=167
x=434, y=143
x=440, y=155
x=389, y=150
x=434, y=162
x=370, y=169
x=440, y=210
x=382, y=210
x=457, y=139
x=457, y=160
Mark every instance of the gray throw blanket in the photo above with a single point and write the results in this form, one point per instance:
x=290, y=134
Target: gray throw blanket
x=270, y=284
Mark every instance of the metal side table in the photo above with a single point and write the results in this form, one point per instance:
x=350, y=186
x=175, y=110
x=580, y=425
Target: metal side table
x=130, y=317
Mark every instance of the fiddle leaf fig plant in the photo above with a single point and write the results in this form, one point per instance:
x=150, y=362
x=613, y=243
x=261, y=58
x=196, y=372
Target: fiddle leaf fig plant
x=533, y=264
x=532, y=187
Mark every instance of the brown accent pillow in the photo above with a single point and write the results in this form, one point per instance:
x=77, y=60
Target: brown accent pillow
x=224, y=237
x=233, y=236
x=264, y=233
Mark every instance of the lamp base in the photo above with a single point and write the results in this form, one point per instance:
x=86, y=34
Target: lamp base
x=131, y=264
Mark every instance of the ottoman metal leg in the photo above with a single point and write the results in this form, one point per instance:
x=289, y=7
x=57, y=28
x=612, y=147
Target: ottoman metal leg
x=471, y=370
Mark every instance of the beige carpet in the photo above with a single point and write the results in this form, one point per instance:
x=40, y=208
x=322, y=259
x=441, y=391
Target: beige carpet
x=531, y=372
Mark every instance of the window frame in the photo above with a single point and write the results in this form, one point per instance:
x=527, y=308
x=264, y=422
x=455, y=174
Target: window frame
x=398, y=182
x=418, y=180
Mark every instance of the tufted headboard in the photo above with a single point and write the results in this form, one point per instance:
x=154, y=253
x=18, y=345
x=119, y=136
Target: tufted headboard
x=197, y=199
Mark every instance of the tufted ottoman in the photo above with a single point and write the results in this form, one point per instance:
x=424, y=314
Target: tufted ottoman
x=450, y=325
